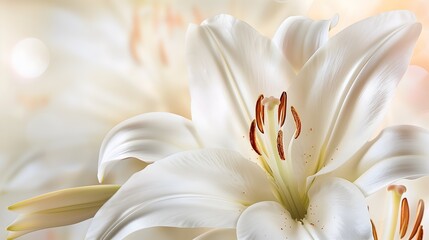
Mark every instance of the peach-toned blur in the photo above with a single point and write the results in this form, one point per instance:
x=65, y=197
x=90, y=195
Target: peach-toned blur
x=352, y=10
x=71, y=70
x=411, y=102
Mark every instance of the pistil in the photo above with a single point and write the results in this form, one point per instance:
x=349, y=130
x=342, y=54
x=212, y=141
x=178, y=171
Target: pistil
x=396, y=192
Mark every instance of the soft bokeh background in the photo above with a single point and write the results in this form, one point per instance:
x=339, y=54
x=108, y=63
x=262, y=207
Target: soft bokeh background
x=71, y=70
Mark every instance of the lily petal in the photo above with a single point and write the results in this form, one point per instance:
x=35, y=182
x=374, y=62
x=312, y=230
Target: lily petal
x=398, y=152
x=37, y=221
x=230, y=66
x=300, y=37
x=59, y=208
x=224, y=234
x=269, y=220
x=147, y=137
x=201, y=188
x=167, y=233
x=66, y=197
x=356, y=74
x=337, y=210
x=17, y=234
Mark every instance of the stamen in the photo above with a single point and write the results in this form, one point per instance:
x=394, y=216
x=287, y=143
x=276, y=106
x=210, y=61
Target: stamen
x=281, y=116
x=374, y=231
x=420, y=233
x=419, y=217
x=405, y=217
x=297, y=121
x=260, y=113
x=252, y=137
x=280, y=148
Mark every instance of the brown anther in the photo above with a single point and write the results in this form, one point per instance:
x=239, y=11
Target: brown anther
x=405, y=217
x=252, y=137
x=297, y=121
x=420, y=233
x=259, y=111
x=374, y=231
x=281, y=116
x=419, y=217
x=280, y=148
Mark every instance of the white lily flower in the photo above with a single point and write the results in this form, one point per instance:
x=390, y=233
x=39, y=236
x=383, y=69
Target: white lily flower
x=309, y=172
x=107, y=61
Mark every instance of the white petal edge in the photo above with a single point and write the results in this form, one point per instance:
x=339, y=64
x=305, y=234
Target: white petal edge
x=230, y=65
x=399, y=152
x=201, y=188
x=147, y=137
x=216, y=234
x=300, y=37
x=167, y=233
x=65, y=197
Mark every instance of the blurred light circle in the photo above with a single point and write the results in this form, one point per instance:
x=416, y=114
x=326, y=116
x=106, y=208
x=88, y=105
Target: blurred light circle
x=30, y=58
